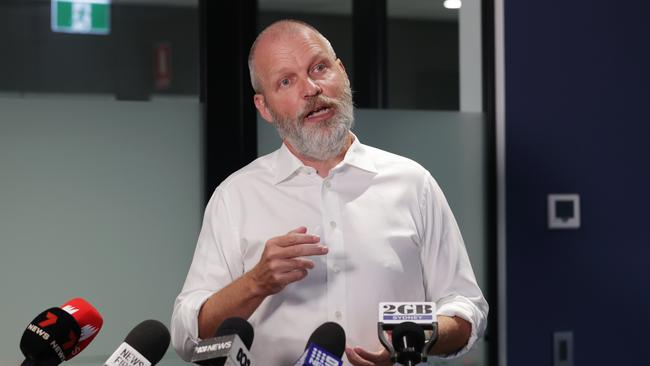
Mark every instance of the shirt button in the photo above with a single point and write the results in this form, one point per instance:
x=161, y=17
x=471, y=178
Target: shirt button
x=333, y=224
x=336, y=269
x=328, y=184
x=338, y=315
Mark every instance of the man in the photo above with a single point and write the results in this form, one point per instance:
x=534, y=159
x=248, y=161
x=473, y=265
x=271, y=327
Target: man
x=324, y=228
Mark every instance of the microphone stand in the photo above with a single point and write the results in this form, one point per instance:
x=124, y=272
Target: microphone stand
x=389, y=346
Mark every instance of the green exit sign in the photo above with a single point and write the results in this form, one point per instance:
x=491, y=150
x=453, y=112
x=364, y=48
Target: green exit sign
x=81, y=16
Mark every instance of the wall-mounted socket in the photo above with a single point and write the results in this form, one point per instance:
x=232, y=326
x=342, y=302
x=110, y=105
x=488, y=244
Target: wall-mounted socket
x=563, y=348
x=563, y=211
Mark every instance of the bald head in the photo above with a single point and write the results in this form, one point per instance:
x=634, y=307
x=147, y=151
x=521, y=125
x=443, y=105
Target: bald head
x=279, y=30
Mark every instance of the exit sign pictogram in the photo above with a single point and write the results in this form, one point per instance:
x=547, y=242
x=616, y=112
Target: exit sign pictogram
x=81, y=16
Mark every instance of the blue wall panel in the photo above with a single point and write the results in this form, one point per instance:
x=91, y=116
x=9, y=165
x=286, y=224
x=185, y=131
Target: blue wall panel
x=578, y=121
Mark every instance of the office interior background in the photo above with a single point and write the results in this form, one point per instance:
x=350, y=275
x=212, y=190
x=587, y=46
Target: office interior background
x=114, y=131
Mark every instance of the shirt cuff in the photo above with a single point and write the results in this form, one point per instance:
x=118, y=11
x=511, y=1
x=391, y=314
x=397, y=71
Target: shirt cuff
x=466, y=312
x=185, y=323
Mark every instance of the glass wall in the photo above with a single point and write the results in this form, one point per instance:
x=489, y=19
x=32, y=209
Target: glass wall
x=422, y=58
x=101, y=183
x=150, y=49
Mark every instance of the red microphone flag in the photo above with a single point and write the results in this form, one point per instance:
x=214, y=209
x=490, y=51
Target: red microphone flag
x=89, y=320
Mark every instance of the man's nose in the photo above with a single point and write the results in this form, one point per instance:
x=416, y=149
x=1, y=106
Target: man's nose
x=311, y=88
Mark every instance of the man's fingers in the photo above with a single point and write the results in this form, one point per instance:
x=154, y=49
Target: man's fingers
x=286, y=265
x=296, y=251
x=360, y=357
x=293, y=239
x=355, y=359
x=298, y=230
x=302, y=250
x=377, y=357
x=291, y=276
x=294, y=245
x=282, y=261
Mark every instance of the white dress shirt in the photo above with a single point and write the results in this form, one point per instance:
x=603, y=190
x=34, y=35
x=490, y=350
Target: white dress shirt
x=391, y=237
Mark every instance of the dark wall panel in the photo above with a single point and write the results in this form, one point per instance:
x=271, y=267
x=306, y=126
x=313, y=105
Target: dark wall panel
x=578, y=121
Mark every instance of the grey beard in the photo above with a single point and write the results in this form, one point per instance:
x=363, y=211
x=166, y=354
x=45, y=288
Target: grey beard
x=320, y=141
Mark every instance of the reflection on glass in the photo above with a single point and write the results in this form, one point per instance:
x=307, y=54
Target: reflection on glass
x=423, y=63
x=148, y=48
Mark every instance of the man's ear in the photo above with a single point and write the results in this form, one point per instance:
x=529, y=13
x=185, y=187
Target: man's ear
x=340, y=63
x=260, y=104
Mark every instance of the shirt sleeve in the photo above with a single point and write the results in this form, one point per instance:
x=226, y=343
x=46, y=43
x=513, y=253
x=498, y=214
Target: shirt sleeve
x=449, y=279
x=217, y=262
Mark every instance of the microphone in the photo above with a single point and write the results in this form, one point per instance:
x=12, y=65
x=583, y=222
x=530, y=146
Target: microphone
x=229, y=346
x=408, y=322
x=325, y=346
x=145, y=345
x=89, y=320
x=50, y=338
x=408, y=341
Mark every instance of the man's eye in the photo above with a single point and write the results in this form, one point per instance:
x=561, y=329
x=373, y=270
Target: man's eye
x=285, y=82
x=319, y=67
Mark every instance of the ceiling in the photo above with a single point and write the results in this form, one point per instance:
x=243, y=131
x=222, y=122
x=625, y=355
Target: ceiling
x=413, y=9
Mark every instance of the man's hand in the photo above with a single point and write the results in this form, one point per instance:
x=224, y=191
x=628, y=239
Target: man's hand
x=282, y=261
x=360, y=357
x=280, y=265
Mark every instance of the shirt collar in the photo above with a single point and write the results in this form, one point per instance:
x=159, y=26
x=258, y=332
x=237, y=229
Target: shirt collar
x=358, y=156
x=287, y=164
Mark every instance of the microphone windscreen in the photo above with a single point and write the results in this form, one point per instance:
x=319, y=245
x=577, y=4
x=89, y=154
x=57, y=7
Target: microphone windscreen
x=150, y=338
x=329, y=336
x=50, y=338
x=89, y=320
x=413, y=333
x=239, y=326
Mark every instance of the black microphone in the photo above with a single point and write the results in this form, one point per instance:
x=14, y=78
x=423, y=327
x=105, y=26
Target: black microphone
x=410, y=320
x=145, y=345
x=324, y=347
x=408, y=341
x=50, y=338
x=229, y=346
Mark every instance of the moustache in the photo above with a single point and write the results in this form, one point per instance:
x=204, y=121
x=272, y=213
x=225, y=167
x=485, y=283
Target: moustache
x=318, y=101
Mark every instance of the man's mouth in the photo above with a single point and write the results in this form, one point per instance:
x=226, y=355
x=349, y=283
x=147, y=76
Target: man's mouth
x=319, y=112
